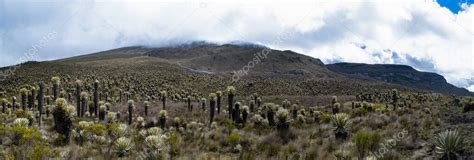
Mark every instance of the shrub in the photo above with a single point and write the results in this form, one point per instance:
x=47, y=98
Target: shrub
x=270, y=107
x=131, y=106
x=342, y=123
x=111, y=117
x=122, y=146
x=20, y=133
x=359, y=112
x=230, y=98
x=154, y=131
x=212, y=106
x=245, y=114
x=340, y=155
x=300, y=119
x=63, y=114
x=164, y=95
x=102, y=112
x=326, y=118
x=468, y=106
x=154, y=142
x=234, y=138
x=154, y=146
x=218, y=99
x=21, y=122
x=162, y=118
x=449, y=143
x=146, y=105
x=56, y=81
x=366, y=141
x=282, y=116
x=118, y=130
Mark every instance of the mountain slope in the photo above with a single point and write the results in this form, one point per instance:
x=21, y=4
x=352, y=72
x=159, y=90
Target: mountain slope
x=210, y=67
x=399, y=74
x=230, y=58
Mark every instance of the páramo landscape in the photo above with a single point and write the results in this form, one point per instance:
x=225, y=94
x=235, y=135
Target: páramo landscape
x=237, y=80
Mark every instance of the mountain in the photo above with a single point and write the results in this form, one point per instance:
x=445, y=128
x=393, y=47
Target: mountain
x=207, y=67
x=399, y=74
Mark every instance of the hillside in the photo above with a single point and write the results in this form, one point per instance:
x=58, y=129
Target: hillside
x=400, y=74
x=206, y=67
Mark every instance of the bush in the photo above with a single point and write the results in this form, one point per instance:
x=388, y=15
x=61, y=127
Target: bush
x=122, y=146
x=359, y=112
x=234, y=138
x=469, y=106
x=366, y=141
x=63, y=114
x=326, y=118
x=449, y=143
x=21, y=135
x=341, y=123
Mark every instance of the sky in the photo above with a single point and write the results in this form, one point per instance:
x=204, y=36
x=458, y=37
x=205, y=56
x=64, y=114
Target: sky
x=430, y=35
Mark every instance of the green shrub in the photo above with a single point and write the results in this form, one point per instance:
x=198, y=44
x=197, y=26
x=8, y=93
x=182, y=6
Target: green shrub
x=23, y=134
x=365, y=142
x=234, y=138
x=449, y=143
x=272, y=149
x=341, y=123
x=122, y=146
x=359, y=112
x=325, y=118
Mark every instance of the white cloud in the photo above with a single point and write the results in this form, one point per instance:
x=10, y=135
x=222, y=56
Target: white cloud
x=415, y=32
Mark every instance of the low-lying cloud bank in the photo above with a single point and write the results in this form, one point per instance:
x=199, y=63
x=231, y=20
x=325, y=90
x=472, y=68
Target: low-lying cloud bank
x=415, y=32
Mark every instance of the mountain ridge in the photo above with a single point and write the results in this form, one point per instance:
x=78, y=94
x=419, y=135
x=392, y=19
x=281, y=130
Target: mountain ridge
x=225, y=60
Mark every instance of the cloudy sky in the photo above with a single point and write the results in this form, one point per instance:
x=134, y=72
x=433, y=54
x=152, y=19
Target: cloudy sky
x=430, y=35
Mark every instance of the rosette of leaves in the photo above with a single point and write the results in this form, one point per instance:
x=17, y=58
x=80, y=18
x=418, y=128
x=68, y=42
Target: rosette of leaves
x=56, y=81
x=63, y=114
x=154, y=146
x=300, y=119
x=164, y=94
x=131, y=106
x=122, y=146
x=257, y=119
x=286, y=103
x=163, y=115
x=230, y=98
x=154, y=131
x=4, y=104
x=449, y=143
x=140, y=122
x=23, y=96
x=84, y=103
x=270, y=109
x=111, y=117
x=21, y=122
x=118, y=130
x=102, y=112
x=341, y=123
x=19, y=133
x=80, y=134
x=335, y=108
x=282, y=115
x=146, y=104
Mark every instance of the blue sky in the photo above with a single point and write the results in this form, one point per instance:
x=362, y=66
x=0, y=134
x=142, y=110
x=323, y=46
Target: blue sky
x=430, y=35
x=454, y=5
